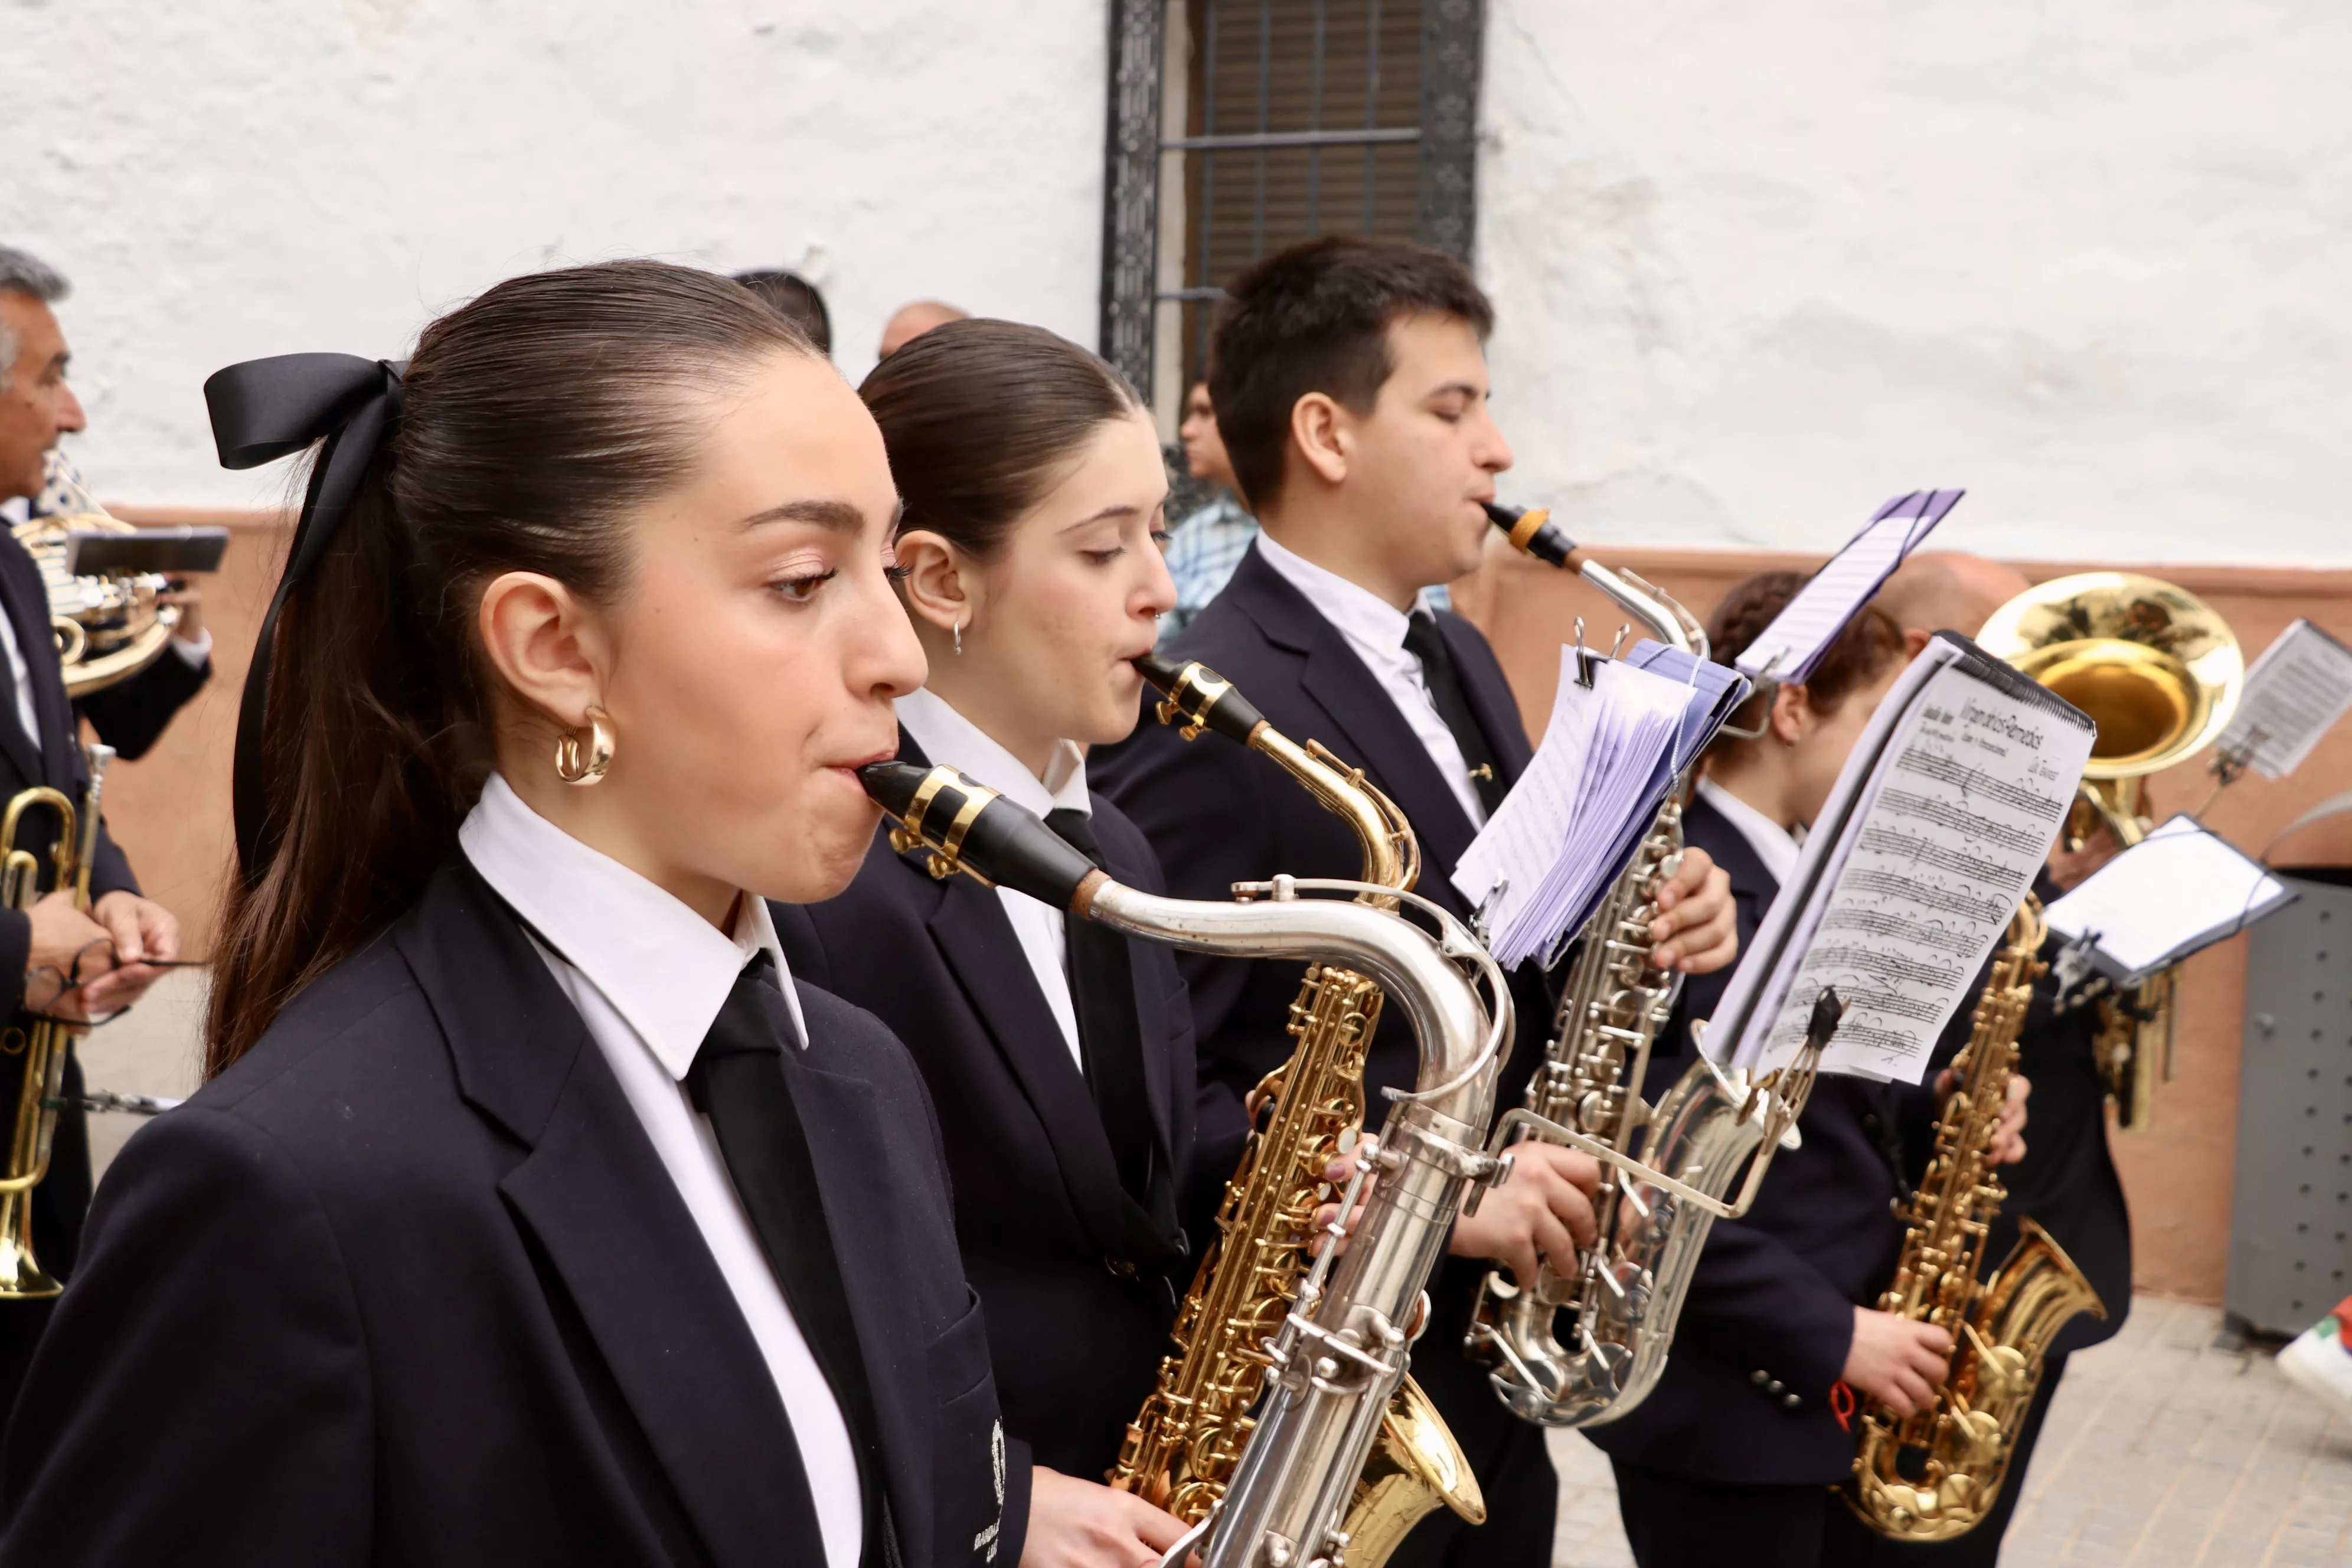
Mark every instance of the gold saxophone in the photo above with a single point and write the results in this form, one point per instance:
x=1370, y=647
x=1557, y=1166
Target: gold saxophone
x=1181, y=1450
x=1931, y=1476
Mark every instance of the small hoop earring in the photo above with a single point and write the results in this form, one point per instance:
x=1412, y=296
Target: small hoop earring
x=958, y=639
x=571, y=765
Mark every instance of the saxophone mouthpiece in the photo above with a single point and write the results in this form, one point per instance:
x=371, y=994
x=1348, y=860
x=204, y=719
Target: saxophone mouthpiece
x=969, y=827
x=1198, y=697
x=1532, y=532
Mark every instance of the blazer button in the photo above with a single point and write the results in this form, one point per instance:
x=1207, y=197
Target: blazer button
x=1791, y=1400
x=1120, y=1266
x=1760, y=1378
x=1773, y=1387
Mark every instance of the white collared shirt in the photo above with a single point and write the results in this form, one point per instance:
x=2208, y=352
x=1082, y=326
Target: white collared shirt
x=948, y=738
x=649, y=976
x=1773, y=844
x=1375, y=629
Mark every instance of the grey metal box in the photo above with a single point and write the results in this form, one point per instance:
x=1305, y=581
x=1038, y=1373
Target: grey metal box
x=2291, y=1209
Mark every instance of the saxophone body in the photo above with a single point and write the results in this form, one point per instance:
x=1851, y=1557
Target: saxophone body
x=1932, y=1476
x=1702, y=1132
x=1180, y=1451
x=1313, y=1477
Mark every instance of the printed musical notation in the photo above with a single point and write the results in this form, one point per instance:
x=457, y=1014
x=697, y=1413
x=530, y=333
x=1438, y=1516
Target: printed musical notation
x=1972, y=787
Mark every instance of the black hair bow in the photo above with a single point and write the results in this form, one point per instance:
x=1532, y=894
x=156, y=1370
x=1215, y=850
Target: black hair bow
x=263, y=410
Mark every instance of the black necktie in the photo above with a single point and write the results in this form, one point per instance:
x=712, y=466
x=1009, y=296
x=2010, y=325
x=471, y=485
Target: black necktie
x=1111, y=1042
x=1427, y=644
x=738, y=1080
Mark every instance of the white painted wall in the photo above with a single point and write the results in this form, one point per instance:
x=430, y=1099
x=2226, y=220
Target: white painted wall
x=1760, y=266
x=232, y=178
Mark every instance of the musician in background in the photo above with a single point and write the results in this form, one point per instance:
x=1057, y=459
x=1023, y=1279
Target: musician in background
x=36, y=481
x=796, y=299
x=2067, y=1178
x=54, y=959
x=1209, y=543
x=910, y=322
x=1350, y=382
x=1731, y=1457
x=1060, y=1051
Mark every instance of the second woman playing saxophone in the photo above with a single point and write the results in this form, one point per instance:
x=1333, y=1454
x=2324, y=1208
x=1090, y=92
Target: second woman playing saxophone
x=1060, y=1053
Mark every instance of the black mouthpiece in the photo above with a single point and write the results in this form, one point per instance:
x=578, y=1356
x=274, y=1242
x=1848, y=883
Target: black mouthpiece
x=970, y=827
x=1199, y=698
x=1534, y=533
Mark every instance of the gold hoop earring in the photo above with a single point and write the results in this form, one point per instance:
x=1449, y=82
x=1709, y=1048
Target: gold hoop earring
x=571, y=765
x=958, y=639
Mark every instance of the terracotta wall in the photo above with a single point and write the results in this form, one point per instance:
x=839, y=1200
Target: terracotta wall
x=171, y=811
x=2177, y=1171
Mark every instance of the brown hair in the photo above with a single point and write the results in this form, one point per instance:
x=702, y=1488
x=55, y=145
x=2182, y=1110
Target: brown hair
x=978, y=415
x=532, y=421
x=1860, y=655
x=796, y=299
x=1315, y=318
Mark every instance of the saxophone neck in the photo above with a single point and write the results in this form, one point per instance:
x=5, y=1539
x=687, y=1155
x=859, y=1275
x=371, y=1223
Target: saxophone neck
x=1194, y=697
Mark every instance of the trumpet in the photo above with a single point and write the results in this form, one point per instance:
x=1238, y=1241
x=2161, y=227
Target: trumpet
x=39, y=1050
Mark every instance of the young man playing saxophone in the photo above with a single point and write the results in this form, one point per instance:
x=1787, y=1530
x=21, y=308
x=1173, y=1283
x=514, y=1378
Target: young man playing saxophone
x=1350, y=385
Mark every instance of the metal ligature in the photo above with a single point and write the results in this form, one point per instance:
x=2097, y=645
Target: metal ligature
x=1933, y=1476
x=2160, y=673
x=1625, y=1302
x=40, y=1048
x=1336, y=1358
x=1181, y=1450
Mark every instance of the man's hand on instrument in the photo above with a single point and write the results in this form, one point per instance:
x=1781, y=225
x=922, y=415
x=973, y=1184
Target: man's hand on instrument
x=1896, y=1362
x=1696, y=930
x=140, y=929
x=1080, y=1524
x=1542, y=1214
x=67, y=947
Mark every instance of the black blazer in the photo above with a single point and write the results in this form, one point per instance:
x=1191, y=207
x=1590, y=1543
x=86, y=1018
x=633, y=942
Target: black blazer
x=130, y=715
x=1218, y=813
x=1770, y=1316
x=408, y=1284
x=1078, y=1322
x=2067, y=1180
x=56, y=760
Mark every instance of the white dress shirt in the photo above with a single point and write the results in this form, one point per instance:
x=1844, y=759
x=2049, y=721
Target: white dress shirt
x=948, y=737
x=1773, y=844
x=21, y=675
x=649, y=976
x=1375, y=629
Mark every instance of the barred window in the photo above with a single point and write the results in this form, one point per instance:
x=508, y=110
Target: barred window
x=1240, y=126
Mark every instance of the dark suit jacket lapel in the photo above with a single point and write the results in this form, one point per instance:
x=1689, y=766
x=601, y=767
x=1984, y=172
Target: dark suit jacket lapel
x=972, y=934
x=1491, y=702
x=843, y=1121
x=30, y=620
x=597, y=1198
x=1367, y=728
x=1151, y=1021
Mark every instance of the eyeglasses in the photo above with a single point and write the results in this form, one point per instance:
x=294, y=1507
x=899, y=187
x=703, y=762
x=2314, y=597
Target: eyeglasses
x=46, y=986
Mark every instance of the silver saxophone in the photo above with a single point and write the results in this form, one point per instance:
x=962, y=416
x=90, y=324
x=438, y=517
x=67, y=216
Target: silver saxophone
x=1656, y=1202
x=1344, y=1347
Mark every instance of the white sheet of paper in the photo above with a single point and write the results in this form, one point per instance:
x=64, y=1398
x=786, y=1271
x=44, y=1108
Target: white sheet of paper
x=1520, y=842
x=2167, y=894
x=2294, y=693
x=1820, y=610
x=1960, y=805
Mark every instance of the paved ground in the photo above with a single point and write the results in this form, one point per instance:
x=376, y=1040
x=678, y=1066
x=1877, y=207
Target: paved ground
x=2162, y=1451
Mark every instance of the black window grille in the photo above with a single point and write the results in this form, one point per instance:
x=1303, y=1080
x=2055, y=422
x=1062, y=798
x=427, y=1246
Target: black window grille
x=1240, y=126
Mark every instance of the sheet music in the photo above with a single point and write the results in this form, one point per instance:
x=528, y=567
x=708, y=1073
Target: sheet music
x=1954, y=803
x=1788, y=649
x=1559, y=837
x=2294, y=693
x=2180, y=890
